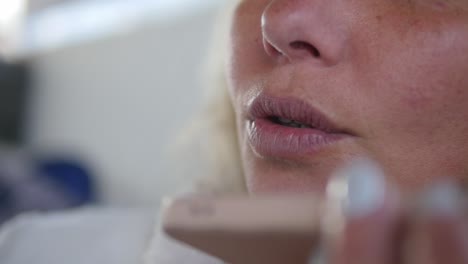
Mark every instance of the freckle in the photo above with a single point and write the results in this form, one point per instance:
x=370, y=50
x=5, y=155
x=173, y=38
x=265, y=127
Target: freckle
x=379, y=18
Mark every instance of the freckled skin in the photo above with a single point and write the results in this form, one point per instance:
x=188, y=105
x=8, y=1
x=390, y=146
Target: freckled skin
x=393, y=72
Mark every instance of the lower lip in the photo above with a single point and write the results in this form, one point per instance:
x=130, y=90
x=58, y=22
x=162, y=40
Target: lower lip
x=269, y=139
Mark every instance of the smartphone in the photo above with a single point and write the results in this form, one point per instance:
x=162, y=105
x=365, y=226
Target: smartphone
x=246, y=230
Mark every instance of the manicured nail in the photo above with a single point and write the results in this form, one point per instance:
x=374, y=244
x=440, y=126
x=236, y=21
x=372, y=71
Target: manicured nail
x=442, y=198
x=365, y=188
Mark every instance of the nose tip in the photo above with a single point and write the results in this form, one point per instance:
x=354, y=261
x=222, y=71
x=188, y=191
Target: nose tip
x=303, y=30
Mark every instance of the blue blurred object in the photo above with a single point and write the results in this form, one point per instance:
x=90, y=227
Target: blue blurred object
x=42, y=184
x=70, y=176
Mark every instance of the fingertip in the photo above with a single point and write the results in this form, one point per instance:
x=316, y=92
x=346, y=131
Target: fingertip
x=368, y=207
x=442, y=199
x=440, y=224
x=362, y=189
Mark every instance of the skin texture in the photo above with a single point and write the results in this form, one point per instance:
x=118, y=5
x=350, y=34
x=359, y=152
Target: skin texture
x=393, y=72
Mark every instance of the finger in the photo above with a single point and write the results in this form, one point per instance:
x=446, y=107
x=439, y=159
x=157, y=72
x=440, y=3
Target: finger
x=447, y=229
x=371, y=218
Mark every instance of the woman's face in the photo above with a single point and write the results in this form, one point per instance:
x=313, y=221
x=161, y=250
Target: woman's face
x=317, y=82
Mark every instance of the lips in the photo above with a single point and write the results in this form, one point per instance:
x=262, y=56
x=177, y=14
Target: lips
x=289, y=128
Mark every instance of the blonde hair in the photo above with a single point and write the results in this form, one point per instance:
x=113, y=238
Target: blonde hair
x=210, y=142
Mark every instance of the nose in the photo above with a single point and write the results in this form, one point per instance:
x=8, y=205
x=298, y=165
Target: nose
x=298, y=30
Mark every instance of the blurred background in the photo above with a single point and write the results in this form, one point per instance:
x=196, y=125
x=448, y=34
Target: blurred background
x=92, y=93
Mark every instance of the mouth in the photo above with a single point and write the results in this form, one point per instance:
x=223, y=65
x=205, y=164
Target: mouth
x=288, y=122
x=289, y=128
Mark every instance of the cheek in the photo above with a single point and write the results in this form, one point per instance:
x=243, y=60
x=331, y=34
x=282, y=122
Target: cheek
x=422, y=109
x=420, y=132
x=434, y=96
x=416, y=107
x=438, y=79
x=423, y=81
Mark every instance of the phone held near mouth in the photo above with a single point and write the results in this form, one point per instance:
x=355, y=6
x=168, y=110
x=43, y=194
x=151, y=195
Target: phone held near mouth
x=246, y=230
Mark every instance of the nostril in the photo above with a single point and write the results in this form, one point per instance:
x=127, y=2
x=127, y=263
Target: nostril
x=301, y=45
x=270, y=49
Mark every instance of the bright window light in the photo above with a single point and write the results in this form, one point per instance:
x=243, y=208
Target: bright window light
x=10, y=12
x=79, y=21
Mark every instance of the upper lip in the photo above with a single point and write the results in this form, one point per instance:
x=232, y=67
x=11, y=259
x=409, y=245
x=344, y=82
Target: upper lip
x=266, y=107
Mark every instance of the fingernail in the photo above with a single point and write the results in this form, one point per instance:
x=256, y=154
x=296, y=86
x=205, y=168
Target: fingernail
x=442, y=198
x=365, y=188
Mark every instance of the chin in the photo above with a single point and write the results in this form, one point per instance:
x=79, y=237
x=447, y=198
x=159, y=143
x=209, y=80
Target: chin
x=276, y=176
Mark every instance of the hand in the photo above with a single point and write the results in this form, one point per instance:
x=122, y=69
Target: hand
x=438, y=232
x=382, y=227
